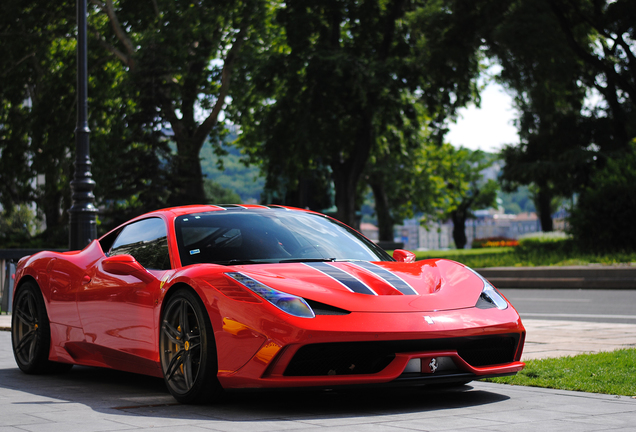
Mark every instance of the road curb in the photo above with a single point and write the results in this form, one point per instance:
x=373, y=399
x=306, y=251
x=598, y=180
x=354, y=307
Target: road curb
x=570, y=277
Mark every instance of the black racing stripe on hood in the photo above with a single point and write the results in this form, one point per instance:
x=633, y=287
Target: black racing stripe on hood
x=390, y=278
x=351, y=282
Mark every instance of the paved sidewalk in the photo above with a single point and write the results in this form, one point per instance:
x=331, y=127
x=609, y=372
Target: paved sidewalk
x=549, y=338
x=90, y=399
x=5, y=321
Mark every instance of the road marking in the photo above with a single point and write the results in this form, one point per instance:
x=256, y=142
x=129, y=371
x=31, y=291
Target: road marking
x=544, y=299
x=563, y=315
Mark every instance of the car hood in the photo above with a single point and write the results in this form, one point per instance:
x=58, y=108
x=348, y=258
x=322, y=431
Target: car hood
x=429, y=285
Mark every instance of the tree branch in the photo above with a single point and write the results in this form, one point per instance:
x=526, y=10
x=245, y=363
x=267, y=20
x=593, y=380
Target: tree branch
x=109, y=10
x=156, y=7
x=587, y=57
x=204, y=129
x=26, y=57
x=120, y=55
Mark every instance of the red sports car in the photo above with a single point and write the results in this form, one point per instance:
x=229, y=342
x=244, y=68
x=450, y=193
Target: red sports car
x=244, y=297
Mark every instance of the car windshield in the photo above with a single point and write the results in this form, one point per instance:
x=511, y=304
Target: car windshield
x=250, y=236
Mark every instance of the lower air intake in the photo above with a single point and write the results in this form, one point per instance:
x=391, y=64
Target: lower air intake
x=351, y=358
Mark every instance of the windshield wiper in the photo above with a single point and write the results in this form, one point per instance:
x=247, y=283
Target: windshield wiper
x=294, y=260
x=238, y=262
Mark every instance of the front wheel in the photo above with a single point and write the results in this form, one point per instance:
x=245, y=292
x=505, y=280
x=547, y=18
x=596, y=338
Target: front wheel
x=31, y=332
x=187, y=350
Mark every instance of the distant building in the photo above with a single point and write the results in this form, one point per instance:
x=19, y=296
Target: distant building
x=487, y=223
x=370, y=231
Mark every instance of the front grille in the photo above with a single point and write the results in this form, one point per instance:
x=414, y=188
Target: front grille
x=339, y=359
x=488, y=352
x=351, y=358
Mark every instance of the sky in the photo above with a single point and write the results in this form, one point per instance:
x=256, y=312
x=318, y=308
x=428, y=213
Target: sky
x=489, y=127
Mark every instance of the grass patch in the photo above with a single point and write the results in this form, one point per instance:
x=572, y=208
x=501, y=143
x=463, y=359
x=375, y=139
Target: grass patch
x=531, y=252
x=607, y=372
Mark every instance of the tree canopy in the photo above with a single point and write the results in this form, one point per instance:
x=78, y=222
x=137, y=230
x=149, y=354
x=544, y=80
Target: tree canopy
x=340, y=74
x=330, y=98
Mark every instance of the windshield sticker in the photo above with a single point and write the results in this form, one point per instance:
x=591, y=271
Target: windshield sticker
x=195, y=251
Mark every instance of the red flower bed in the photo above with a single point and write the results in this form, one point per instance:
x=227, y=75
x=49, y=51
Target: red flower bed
x=494, y=242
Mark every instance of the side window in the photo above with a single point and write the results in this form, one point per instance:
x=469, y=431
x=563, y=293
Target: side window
x=147, y=241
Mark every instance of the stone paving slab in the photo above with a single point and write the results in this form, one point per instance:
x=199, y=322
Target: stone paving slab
x=550, y=338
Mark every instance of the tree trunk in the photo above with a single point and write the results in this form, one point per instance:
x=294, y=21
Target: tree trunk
x=189, y=177
x=543, y=203
x=382, y=211
x=347, y=172
x=459, y=228
x=346, y=186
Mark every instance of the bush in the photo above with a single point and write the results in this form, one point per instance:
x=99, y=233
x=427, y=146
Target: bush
x=490, y=242
x=603, y=219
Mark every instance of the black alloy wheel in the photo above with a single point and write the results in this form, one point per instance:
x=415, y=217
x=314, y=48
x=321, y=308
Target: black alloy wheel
x=187, y=350
x=31, y=332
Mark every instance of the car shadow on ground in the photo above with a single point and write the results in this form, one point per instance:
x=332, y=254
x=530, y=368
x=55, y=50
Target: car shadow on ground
x=126, y=394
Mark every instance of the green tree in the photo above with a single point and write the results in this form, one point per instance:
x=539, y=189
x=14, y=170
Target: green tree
x=553, y=54
x=545, y=77
x=38, y=120
x=466, y=190
x=340, y=72
x=601, y=34
x=180, y=56
x=18, y=226
x=606, y=210
x=406, y=180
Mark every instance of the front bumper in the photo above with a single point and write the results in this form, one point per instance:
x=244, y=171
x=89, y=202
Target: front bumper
x=386, y=349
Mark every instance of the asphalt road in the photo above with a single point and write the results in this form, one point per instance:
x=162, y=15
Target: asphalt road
x=607, y=306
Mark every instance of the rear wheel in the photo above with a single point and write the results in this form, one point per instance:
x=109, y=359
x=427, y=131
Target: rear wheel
x=31, y=332
x=187, y=350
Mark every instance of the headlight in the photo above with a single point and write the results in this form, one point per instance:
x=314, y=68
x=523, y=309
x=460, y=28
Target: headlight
x=489, y=296
x=291, y=304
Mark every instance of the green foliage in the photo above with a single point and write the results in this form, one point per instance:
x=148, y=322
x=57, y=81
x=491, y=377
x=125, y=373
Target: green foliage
x=217, y=194
x=519, y=201
x=17, y=227
x=345, y=80
x=177, y=57
x=604, y=216
x=606, y=372
x=37, y=100
x=553, y=53
x=230, y=172
x=407, y=178
x=532, y=252
x=465, y=190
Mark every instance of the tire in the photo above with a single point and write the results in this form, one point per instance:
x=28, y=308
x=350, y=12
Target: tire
x=31, y=332
x=187, y=350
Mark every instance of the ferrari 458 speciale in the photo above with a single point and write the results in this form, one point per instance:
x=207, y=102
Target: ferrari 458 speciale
x=215, y=298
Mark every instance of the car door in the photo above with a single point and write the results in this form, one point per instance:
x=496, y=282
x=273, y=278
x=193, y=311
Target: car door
x=117, y=310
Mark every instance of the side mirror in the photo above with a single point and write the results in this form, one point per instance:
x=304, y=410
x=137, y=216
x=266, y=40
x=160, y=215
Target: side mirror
x=401, y=255
x=127, y=265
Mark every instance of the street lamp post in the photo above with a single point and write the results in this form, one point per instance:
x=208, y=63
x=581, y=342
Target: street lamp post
x=83, y=214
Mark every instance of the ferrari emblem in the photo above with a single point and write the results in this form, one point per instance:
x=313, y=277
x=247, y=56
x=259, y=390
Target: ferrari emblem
x=433, y=365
